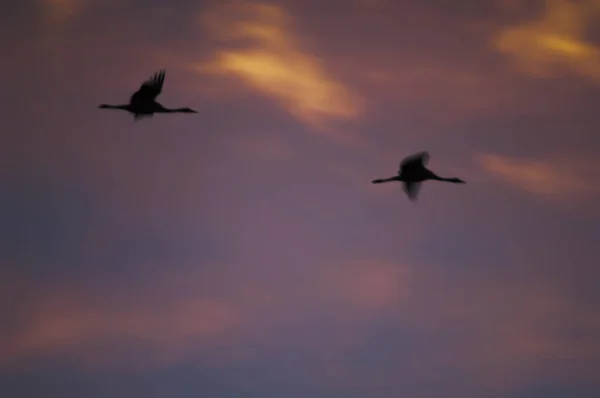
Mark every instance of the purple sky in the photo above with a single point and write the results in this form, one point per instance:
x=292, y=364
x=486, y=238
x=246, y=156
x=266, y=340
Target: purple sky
x=243, y=252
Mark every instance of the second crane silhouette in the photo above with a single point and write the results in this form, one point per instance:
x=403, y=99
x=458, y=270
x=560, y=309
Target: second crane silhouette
x=143, y=102
x=413, y=172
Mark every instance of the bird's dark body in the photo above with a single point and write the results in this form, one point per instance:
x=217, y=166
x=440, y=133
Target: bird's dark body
x=141, y=109
x=417, y=176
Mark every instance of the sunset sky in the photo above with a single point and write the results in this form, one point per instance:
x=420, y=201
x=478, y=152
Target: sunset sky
x=243, y=252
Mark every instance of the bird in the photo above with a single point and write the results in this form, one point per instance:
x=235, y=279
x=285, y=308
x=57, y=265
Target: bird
x=412, y=173
x=143, y=102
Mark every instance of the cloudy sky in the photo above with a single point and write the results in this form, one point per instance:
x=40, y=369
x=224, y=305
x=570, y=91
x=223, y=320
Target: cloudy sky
x=243, y=252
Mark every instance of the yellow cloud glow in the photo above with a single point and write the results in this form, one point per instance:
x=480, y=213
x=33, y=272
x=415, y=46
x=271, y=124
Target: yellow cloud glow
x=275, y=65
x=556, y=40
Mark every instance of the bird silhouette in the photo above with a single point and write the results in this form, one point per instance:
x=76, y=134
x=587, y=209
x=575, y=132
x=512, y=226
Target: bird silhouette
x=143, y=102
x=412, y=173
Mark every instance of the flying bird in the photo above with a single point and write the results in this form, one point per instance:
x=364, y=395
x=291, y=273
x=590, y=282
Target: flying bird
x=143, y=102
x=412, y=173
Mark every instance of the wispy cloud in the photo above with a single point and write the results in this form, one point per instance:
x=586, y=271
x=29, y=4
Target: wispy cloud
x=555, y=41
x=174, y=317
x=69, y=323
x=274, y=64
x=562, y=177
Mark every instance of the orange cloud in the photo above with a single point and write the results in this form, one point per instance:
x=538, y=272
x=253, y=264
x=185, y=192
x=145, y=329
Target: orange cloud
x=562, y=177
x=179, y=316
x=275, y=65
x=555, y=41
x=63, y=322
x=67, y=325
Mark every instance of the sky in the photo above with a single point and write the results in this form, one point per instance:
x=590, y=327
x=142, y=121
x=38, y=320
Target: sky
x=243, y=252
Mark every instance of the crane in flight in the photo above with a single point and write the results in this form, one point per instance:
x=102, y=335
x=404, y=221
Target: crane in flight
x=412, y=173
x=143, y=102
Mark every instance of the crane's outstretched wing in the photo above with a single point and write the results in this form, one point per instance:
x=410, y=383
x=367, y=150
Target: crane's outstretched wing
x=150, y=89
x=412, y=162
x=412, y=189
